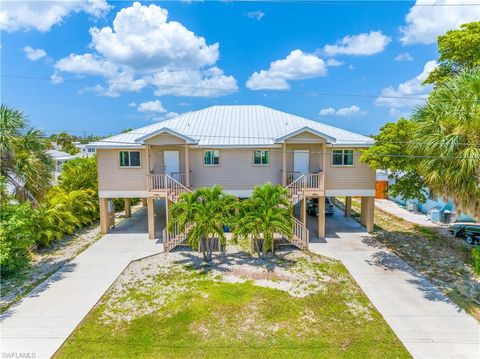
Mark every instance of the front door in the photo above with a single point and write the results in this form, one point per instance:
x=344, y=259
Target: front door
x=300, y=161
x=171, y=162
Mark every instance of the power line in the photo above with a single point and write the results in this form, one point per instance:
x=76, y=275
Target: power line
x=307, y=93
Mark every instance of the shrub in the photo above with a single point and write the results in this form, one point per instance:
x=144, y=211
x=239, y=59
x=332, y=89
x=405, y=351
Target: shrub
x=476, y=259
x=79, y=173
x=16, y=240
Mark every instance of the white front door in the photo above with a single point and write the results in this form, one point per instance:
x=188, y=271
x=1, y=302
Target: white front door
x=171, y=161
x=300, y=161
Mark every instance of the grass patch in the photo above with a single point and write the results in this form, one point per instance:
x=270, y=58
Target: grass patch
x=445, y=260
x=301, y=305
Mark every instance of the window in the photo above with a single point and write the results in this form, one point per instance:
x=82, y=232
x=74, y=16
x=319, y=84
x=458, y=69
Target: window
x=91, y=150
x=342, y=158
x=211, y=158
x=260, y=157
x=129, y=158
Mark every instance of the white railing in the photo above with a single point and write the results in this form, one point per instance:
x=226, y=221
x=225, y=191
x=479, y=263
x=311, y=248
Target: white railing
x=179, y=177
x=313, y=181
x=296, y=189
x=300, y=234
x=173, y=238
x=156, y=182
x=174, y=188
x=292, y=176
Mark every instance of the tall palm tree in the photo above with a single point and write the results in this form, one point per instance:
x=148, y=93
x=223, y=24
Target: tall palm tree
x=449, y=131
x=208, y=209
x=24, y=161
x=266, y=214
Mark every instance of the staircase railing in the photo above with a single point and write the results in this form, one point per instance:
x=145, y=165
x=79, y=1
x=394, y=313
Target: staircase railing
x=296, y=189
x=174, y=188
x=155, y=182
x=300, y=234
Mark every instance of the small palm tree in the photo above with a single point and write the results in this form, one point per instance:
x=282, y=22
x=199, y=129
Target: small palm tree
x=208, y=209
x=266, y=214
x=24, y=160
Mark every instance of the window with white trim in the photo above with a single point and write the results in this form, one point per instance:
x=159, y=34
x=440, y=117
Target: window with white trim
x=342, y=158
x=129, y=159
x=261, y=157
x=211, y=157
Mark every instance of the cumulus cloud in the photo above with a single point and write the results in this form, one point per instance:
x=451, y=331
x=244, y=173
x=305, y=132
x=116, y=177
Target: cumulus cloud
x=404, y=57
x=34, y=54
x=296, y=66
x=334, y=63
x=423, y=24
x=167, y=116
x=257, y=15
x=56, y=78
x=342, y=112
x=362, y=44
x=151, y=107
x=42, y=15
x=144, y=48
x=408, y=93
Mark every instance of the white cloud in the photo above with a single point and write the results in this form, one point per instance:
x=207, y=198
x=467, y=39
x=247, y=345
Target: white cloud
x=56, y=78
x=255, y=14
x=342, y=112
x=132, y=104
x=34, y=54
x=361, y=44
x=404, y=57
x=42, y=15
x=296, y=66
x=143, y=48
x=334, y=62
x=142, y=37
x=151, y=107
x=423, y=24
x=194, y=83
x=408, y=93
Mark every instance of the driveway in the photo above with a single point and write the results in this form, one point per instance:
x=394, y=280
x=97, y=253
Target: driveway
x=428, y=323
x=40, y=322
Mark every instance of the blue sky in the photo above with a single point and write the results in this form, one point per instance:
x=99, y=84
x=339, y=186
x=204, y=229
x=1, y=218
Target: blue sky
x=99, y=67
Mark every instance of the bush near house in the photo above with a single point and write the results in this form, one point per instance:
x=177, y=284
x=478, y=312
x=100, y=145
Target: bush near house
x=476, y=259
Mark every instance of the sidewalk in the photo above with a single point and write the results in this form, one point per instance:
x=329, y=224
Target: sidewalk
x=42, y=321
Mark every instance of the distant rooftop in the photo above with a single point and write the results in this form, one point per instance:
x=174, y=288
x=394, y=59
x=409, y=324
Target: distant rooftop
x=248, y=125
x=60, y=155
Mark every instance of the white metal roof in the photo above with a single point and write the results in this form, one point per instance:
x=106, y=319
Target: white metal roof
x=60, y=155
x=235, y=126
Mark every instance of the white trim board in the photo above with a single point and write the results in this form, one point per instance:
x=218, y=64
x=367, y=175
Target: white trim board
x=350, y=192
x=122, y=194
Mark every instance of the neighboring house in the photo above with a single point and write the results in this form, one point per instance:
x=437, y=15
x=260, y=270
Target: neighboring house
x=59, y=158
x=84, y=150
x=432, y=203
x=236, y=147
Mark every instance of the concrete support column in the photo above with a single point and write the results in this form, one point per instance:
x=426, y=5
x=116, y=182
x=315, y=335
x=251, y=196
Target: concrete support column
x=284, y=164
x=303, y=211
x=348, y=206
x=144, y=202
x=151, y=217
x=363, y=210
x=167, y=207
x=187, y=167
x=104, y=217
x=321, y=217
x=128, y=207
x=111, y=213
x=369, y=220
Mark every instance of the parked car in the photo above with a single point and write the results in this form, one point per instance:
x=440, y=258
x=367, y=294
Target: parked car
x=469, y=231
x=312, y=207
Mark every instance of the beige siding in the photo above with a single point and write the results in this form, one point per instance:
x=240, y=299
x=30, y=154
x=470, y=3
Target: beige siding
x=156, y=157
x=113, y=178
x=236, y=170
x=358, y=176
x=165, y=139
x=314, y=156
x=305, y=137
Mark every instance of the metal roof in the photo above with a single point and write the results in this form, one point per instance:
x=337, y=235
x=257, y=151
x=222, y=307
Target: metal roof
x=235, y=126
x=60, y=155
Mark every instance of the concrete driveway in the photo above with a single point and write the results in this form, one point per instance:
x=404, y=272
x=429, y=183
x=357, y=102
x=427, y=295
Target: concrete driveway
x=40, y=322
x=428, y=323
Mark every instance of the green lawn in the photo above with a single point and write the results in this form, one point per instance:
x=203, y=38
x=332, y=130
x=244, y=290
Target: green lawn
x=181, y=310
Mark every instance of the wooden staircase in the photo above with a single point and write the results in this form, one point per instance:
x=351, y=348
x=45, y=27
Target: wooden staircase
x=171, y=239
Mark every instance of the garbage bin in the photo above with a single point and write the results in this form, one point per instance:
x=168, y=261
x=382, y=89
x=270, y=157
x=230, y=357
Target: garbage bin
x=447, y=216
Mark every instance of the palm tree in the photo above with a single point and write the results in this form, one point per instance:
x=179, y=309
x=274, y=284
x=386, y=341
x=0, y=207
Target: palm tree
x=266, y=214
x=24, y=161
x=448, y=134
x=208, y=209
